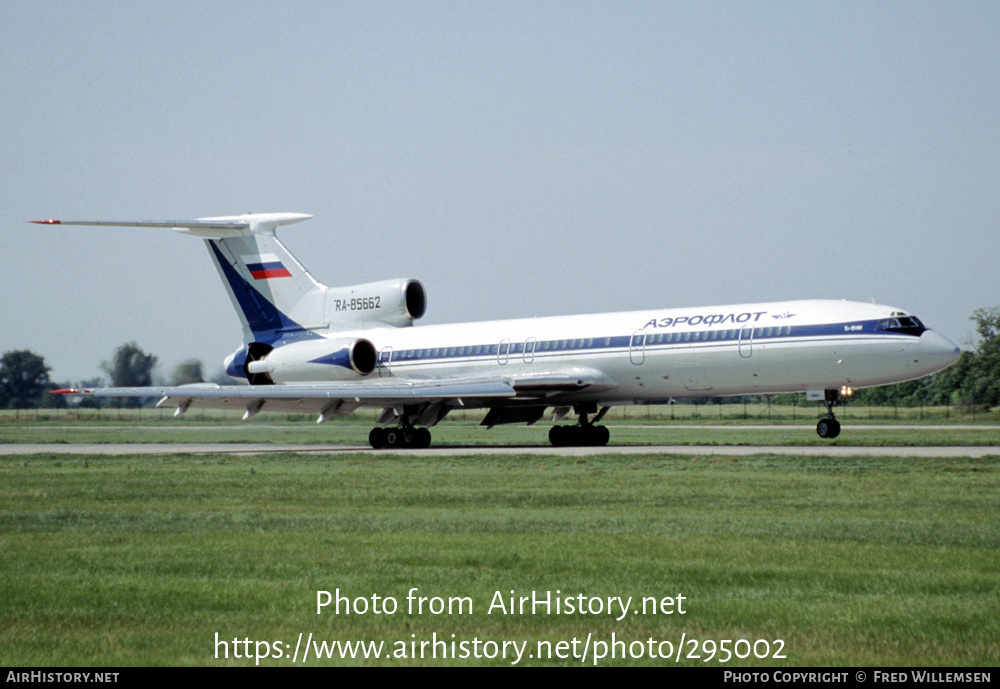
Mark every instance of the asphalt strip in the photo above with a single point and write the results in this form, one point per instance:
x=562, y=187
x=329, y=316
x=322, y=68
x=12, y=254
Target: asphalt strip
x=465, y=450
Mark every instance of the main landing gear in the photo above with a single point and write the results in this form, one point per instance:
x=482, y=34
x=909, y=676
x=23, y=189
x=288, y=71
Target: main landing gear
x=829, y=427
x=402, y=437
x=584, y=434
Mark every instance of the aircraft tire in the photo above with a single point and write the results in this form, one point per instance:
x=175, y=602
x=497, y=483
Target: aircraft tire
x=828, y=428
x=834, y=429
x=557, y=436
x=579, y=436
x=405, y=438
x=599, y=436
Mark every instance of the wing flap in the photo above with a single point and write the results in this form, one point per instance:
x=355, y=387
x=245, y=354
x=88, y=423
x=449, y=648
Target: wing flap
x=312, y=397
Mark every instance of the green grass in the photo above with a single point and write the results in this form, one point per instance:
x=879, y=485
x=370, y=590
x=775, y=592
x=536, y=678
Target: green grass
x=683, y=424
x=141, y=560
x=354, y=431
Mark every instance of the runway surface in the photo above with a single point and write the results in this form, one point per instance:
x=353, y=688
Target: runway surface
x=466, y=450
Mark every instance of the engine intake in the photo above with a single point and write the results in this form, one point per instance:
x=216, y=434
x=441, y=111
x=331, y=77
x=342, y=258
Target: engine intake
x=362, y=356
x=252, y=368
x=390, y=302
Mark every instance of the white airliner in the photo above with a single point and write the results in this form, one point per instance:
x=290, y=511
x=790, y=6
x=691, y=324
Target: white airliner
x=331, y=350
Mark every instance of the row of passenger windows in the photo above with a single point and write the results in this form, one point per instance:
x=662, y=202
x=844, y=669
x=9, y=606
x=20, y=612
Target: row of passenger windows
x=709, y=335
x=511, y=348
x=478, y=350
x=522, y=348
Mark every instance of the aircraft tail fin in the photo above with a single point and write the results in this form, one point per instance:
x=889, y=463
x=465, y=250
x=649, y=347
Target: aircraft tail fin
x=272, y=292
x=274, y=295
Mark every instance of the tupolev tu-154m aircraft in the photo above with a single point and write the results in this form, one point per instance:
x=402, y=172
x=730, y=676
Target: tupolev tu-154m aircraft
x=331, y=350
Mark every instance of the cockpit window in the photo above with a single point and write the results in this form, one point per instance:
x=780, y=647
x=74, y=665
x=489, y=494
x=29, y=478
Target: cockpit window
x=903, y=325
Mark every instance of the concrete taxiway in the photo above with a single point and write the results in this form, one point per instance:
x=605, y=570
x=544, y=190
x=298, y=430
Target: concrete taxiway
x=121, y=449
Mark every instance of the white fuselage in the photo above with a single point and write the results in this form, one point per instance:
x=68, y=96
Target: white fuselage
x=330, y=351
x=648, y=356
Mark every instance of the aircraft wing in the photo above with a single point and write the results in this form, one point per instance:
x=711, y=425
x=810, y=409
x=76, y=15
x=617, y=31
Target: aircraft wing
x=321, y=398
x=331, y=398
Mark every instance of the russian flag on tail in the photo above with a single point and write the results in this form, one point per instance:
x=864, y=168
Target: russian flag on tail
x=267, y=267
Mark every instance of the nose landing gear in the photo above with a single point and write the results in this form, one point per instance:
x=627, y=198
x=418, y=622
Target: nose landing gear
x=829, y=427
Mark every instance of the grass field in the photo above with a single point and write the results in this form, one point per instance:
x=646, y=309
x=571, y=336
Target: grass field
x=142, y=560
x=470, y=435
x=683, y=424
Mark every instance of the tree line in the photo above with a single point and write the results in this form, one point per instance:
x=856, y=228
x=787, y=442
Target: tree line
x=25, y=382
x=974, y=381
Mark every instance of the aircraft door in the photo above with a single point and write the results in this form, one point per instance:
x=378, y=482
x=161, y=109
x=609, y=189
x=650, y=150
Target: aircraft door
x=503, y=351
x=384, y=358
x=746, y=342
x=529, y=350
x=637, y=347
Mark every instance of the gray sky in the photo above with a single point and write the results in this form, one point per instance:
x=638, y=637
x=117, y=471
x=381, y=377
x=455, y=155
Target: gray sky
x=520, y=159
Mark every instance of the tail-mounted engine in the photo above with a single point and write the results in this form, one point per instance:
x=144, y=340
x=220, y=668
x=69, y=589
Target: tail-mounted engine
x=336, y=359
x=257, y=352
x=359, y=355
x=392, y=302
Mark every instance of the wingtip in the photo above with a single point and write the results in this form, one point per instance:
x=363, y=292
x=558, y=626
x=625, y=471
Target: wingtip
x=46, y=222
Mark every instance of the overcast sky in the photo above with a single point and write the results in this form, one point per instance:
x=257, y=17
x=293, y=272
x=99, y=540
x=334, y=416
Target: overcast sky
x=520, y=159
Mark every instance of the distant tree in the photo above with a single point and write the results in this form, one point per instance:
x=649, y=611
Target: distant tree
x=130, y=368
x=981, y=383
x=24, y=378
x=908, y=394
x=944, y=386
x=186, y=372
x=973, y=380
x=50, y=401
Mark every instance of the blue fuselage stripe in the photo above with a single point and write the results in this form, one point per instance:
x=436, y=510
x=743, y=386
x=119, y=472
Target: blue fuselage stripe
x=648, y=340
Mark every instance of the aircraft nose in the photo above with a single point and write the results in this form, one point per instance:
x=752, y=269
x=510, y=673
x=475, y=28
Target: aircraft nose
x=937, y=351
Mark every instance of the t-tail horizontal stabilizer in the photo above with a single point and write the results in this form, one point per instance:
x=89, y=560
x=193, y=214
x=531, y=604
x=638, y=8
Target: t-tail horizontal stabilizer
x=223, y=227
